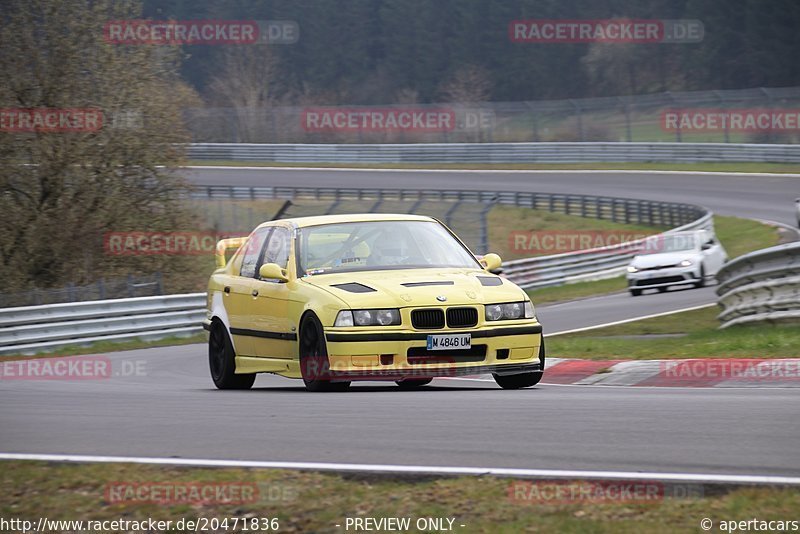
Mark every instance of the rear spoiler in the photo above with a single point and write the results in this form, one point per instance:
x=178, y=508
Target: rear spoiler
x=226, y=244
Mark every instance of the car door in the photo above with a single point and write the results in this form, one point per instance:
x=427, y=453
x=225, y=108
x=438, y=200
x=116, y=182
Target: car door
x=273, y=333
x=237, y=297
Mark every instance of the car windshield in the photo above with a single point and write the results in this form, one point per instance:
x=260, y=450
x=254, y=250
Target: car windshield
x=379, y=245
x=670, y=243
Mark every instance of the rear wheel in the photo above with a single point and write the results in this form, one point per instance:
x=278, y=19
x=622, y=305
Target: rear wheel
x=662, y=289
x=222, y=361
x=413, y=384
x=636, y=292
x=314, y=363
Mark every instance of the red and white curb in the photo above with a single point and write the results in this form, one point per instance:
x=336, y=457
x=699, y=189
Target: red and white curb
x=707, y=372
x=692, y=373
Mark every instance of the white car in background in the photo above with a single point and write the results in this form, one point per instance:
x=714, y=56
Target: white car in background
x=675, y=259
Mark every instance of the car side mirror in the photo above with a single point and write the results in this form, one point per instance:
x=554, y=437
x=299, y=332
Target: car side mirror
x=273, y=271
x=706, y=246
x=491, y=262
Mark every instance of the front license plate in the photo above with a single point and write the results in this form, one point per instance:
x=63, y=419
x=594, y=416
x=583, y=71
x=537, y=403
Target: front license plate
x=449, y=341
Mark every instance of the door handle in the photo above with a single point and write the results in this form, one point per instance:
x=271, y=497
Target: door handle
x=255, y=292
x=227, y=290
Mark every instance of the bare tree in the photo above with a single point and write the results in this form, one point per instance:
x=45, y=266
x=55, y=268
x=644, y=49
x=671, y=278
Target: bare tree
x=468, y=84
x=246, y=86
x=61, y=191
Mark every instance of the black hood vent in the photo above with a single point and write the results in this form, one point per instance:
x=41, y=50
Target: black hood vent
x=490, y=280
x=423, y=284
x=354, y=287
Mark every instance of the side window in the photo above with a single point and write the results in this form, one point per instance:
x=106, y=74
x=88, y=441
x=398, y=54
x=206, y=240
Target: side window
x=252, y=252
x=277, y=248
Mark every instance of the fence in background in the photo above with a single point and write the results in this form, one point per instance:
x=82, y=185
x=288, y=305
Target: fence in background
x=497, y=152
x=626, y=118
x=761, y=287
x=112, y=288
x=621, y=210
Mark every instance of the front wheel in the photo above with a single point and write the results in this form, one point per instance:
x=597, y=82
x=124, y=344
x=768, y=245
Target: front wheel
x=222, y=361
x=702, y=281
x=314, y=363
x=518, y=381
x=414, y=383
x=636, y=292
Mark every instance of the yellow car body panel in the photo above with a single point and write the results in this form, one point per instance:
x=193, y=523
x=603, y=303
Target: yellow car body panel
x=263, y=317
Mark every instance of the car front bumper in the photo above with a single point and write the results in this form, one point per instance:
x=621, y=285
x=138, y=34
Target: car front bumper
x=663, y=277
x=402, y=355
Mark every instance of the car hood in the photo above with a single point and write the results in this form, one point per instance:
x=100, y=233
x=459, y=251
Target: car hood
x=417, y=287
x=663, y=259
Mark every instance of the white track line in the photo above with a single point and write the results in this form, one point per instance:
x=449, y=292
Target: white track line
x=418, y=469
x=505, y=171
x=640, y=318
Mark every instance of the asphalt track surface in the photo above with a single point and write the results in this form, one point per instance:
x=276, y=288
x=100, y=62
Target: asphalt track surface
x=172, y=409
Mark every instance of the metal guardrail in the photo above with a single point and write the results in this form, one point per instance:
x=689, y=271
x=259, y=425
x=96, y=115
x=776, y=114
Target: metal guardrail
x=39, y=328
x=761, y=287
x=496, y=152
x=32, y=329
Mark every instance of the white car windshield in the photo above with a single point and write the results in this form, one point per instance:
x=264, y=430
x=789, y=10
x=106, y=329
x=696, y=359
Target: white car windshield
x=669, y=243
x=379, y=245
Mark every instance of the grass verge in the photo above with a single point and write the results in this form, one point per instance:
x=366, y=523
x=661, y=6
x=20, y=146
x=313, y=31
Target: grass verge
x=316, y=502
x=701, y=339
x=753, y=167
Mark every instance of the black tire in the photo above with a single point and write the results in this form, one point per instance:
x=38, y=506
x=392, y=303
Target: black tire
x=523, y=380
x=636, y=292
x=413, y=383
x=222, y=361
x=314, y=351
x=662, y=289
x=518, y=381
x=702, y=281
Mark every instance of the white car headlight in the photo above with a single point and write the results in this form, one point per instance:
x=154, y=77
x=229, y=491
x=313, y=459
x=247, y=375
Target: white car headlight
x=494, y=312
x=368, y=318
x=511, y=310
x=686, y=263
x=632, y=269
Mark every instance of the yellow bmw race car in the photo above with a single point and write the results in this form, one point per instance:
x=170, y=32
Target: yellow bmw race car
x=333, y=299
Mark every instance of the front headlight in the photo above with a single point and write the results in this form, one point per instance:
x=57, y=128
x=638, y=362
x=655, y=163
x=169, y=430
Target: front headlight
x=368, y=318
x=686, y=263
x=632, y=269
x=511, y=310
